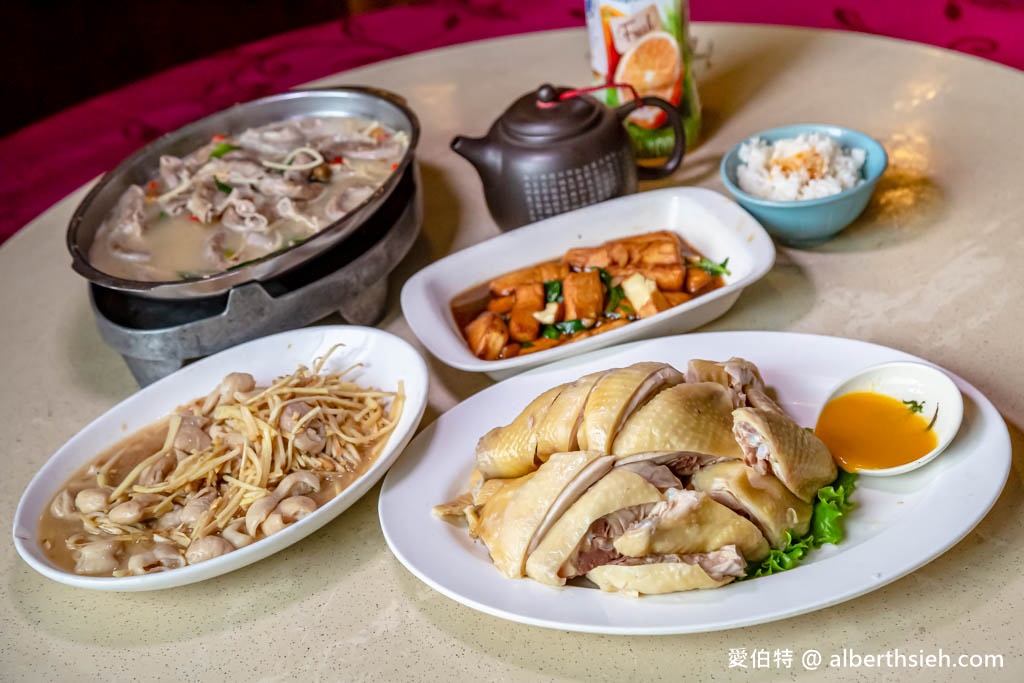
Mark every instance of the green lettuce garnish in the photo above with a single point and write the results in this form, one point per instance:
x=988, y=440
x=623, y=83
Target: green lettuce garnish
x=830, y=509
x=827, y=520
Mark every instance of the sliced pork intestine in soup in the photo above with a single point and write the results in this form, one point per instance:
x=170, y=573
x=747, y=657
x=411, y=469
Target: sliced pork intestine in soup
x=243, y=197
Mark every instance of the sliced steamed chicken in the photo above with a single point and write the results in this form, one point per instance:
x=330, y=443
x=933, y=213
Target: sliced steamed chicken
x=616, y=396
x=575, y=543
x=761, y=497
x=485, y=521
x=686, y=417
x=517, y=526
x=773, y=444
x=678, y=463
x=670, y=573
x=738, y=375
x=458, y=509
x=589, y=480
x=657, y=468
x=558, y=430
x=689, y=522
x=511, y=451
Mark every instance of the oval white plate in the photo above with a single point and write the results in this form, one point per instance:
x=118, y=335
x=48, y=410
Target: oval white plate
x=900, y=523
x=385, y=360
x=711, y=222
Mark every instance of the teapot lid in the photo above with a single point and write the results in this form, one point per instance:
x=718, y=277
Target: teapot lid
x=540, y=116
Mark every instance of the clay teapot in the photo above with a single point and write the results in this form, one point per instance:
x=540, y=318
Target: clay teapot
x=558, y=149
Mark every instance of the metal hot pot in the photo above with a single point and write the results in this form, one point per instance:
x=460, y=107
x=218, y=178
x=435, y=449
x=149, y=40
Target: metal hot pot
x=141, y=167
x=160, y=326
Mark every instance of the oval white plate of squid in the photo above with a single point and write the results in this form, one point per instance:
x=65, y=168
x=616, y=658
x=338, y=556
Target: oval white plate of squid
x=365, y=356
x=896, y=526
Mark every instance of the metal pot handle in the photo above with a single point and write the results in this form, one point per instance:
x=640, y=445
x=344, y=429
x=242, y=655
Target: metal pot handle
x=678, y=145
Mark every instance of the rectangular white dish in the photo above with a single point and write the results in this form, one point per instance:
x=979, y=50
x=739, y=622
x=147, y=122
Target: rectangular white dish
x=711, y=222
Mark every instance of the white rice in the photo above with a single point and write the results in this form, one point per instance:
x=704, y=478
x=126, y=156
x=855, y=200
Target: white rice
x=805, y=167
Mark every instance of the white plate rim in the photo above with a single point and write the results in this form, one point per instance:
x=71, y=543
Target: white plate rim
x=416, y=389
x=424, y=319
x=992, y=429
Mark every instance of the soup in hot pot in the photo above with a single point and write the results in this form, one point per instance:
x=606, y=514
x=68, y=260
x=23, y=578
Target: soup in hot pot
x=239, y=198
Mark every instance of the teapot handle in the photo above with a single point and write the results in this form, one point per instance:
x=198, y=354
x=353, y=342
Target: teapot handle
x=678, y=146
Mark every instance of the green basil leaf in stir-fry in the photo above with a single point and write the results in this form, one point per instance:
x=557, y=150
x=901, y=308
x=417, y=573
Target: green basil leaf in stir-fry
x=553, y=292
x=606, y=277
x=223, y=187
x=569, y=326
x=549, y=332
x=712, y=268
x=615, y=298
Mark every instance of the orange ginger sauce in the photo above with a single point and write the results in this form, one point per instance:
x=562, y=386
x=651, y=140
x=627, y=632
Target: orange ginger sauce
x=869, y=431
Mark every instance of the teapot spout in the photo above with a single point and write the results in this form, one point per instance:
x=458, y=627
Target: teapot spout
x=480, y=152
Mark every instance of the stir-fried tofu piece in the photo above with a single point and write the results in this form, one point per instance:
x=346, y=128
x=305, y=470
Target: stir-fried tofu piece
x=697, y=280
x=669, y=278
x=487, y=335
x=676, y=298
x=588, y=257
x=545, y=272
x=503, y=304
x=541, y=344
x=604, y=327
x=662, y=248
x=662, y=252
x=529, y=299
x=644, y=295
x=584, y=295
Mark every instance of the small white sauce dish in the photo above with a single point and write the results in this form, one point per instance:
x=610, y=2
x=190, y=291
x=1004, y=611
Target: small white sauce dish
x=908, y=381
x=384, y=360
x=709, y=221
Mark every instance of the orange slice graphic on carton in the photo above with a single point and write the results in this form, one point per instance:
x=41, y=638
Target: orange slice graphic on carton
x=654, y=67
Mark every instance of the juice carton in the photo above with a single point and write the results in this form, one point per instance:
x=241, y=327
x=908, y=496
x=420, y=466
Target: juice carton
x=645, y=43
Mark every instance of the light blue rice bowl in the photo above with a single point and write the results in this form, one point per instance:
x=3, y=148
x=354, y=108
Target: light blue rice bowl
x=808, y=222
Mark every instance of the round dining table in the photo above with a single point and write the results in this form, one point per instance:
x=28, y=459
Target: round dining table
x=933, y=268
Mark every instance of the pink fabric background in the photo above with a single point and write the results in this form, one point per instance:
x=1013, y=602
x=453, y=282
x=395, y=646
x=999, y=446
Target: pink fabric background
x=60, y=153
